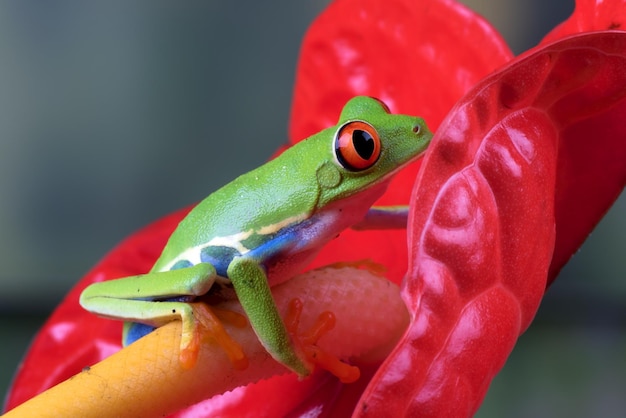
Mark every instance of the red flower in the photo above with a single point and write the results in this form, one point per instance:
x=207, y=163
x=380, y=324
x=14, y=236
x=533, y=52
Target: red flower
x=522, y=168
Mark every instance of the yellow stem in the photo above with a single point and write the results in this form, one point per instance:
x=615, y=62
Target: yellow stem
x=146, y=379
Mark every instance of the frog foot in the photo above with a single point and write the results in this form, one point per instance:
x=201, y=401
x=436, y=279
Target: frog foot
x=307, y=342
x=207, y=327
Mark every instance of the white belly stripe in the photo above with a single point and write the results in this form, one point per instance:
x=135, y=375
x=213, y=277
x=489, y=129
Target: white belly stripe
x=234, y=241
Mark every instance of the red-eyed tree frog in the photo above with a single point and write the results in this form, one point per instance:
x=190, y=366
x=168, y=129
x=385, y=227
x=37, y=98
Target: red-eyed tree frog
x=264, y=227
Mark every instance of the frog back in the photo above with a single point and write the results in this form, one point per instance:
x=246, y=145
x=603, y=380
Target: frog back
x=244, y=213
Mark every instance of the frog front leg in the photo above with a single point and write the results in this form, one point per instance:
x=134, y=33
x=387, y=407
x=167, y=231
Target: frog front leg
x=144, y=299
x=384, y=217
x=294, y=348
x=253, y=291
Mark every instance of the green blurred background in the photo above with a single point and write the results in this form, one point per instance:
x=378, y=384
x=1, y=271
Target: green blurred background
x=113, y=114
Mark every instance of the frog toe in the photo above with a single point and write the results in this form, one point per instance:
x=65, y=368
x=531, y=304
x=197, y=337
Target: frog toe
x=206, y=327
x=307, y=343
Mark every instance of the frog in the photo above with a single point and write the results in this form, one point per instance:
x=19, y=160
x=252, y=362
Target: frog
x=265, y=227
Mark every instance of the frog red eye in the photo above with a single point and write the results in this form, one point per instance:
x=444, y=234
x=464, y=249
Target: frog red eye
x=357, y=145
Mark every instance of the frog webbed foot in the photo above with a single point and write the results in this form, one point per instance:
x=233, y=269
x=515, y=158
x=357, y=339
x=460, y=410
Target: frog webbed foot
x=307, y=340
x=204, y=326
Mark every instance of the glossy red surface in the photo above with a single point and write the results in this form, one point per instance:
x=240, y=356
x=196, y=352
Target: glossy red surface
x=496, y=191
x=521, y=169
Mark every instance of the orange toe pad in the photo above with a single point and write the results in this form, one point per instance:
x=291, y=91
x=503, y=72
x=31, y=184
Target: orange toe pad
x=307, y=341
x=209, y=328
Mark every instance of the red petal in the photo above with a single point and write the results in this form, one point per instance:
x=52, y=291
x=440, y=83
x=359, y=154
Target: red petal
x=589, y=181
x=418, y=57
x=542, y=140
x=589, y=16
x=72, y=337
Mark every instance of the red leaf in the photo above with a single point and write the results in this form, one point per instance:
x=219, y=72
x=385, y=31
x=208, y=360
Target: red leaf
x=528, y=145
x=418, y=57
x=72, y=337
x=441, y=49
x=421, y=57
x=590, y=16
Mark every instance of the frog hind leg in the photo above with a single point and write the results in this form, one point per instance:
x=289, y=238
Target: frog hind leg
x=150, y=299
x=214, y=331
x=250, y=282
x=199, y=325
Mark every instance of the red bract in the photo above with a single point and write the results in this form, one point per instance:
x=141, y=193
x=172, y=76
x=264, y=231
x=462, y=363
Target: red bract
x=526, y=163
x=508, y=160
x=591, y=164
x=591, y=16
x=419, y=57
x=72, y=339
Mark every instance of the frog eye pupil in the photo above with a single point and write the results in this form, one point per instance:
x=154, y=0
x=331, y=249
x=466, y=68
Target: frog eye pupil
x=363, y=143
x=357, y=145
